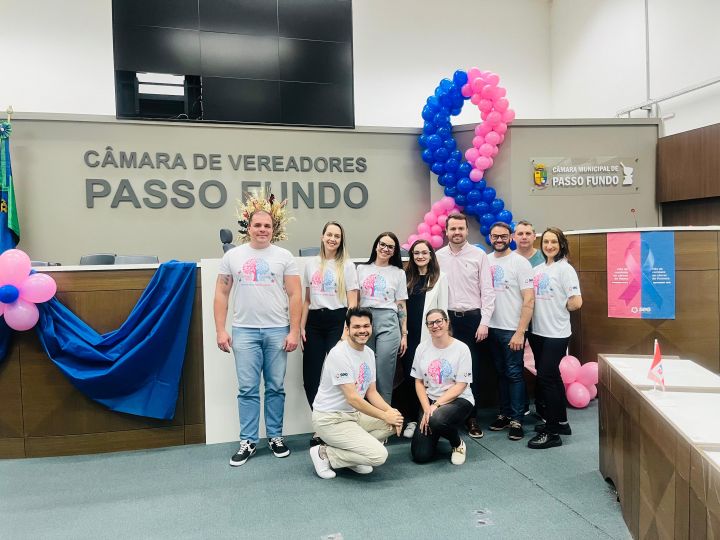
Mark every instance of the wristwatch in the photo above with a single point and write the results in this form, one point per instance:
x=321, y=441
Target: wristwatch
x=437, y=404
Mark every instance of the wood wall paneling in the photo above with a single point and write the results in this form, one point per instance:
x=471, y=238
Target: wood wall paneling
x=11, y=420
x=694, y=212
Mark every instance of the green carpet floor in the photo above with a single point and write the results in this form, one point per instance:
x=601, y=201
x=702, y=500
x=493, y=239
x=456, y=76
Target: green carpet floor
x=192, y=492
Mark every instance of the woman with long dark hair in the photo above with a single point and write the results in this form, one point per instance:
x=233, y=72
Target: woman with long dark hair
x=557, y=293
x=383, y=290
x=331, y=288
x=427, y=289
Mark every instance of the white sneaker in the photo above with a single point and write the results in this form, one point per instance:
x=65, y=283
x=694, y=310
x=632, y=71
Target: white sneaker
x=322, y=466
x=410, y=430
x=361, y=469
x=458, y=454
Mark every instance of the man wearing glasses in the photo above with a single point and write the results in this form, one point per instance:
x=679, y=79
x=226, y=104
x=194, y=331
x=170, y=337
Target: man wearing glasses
x=514, y=301
x=471, y=298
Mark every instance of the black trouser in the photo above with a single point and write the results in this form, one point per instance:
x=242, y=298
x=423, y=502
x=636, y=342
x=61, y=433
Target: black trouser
x=405, y=397
x=484, y=379
x=445, y=422
x=323, y=329
x=548, y=352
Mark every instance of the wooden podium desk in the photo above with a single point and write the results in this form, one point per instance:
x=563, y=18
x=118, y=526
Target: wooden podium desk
x=662, y=449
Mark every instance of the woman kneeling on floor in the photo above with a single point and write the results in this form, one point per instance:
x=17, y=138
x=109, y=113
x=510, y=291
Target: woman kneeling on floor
x=442, y=369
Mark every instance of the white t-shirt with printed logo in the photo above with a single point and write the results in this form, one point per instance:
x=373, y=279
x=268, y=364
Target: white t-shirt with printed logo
x=440, y=369
x=381, y=286
x=344, y=365
x=553, y=285
x=511, y=274
x=323, y=287
x=260, y=299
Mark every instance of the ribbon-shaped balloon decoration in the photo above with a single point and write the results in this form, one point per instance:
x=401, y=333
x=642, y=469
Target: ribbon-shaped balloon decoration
x=21, y=288
x=462, y=175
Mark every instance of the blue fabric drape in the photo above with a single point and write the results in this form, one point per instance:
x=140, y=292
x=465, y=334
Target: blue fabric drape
x=136, y=368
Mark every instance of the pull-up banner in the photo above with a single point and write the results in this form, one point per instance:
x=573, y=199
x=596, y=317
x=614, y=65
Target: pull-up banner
x=641, y=275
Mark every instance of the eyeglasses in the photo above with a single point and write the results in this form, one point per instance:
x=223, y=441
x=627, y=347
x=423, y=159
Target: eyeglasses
x=436, y=322
x=386, y=247
x=499, y=237
x=421, y=253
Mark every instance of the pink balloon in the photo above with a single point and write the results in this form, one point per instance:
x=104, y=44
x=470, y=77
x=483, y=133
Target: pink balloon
x=495, y=151
x=448, y=203
x=425, y=236
x=437, y=208
x=494, y=118
x=475, y=175
x=2, y=308
x=570, y=360
x=492, y=138
x=498, y=93
x=483, y=129
x=477, y=85
x=413, y=238
x=14, y=267
x=484, y=105
x=430, y=218
x=569, y=369
x=466, y=90
x=508, y=116
x=592, y=389
x=502, y=138
x=588, y=374
x=482, y=163
x=480, y=171
x=478, y=141
x=492, y=79
x=501, y=105
x=21, y=315
x=486, y=92
x=473, y=73
x=38, y=288
x=486, y=150
x=406, y=246
x=491, y=162
x=442, y=221
x=501, y=127
x=577, y=395
x=436, y=241
x=436, y=230
x=423, y=228
x=471, y=154
x=484, y=115
x=475, y=99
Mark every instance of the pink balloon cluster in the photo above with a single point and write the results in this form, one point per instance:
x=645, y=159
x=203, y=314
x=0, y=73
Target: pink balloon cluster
x=20, y=290
x=483, y=90
x=580, y=381
x=433, y=225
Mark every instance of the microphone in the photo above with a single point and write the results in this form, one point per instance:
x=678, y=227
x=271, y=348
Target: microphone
x=634, y=213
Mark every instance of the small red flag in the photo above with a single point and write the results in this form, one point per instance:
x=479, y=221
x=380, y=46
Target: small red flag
x=656, y=369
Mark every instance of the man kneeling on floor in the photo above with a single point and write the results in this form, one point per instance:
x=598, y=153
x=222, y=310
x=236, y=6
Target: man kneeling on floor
x=349, y=414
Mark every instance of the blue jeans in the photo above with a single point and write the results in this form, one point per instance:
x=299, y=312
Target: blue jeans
x=509, y=366
x=260, y=350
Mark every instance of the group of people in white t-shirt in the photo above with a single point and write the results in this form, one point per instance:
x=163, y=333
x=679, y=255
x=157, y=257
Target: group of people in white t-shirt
x=355, y=322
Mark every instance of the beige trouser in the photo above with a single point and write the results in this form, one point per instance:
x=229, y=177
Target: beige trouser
x=352, y=438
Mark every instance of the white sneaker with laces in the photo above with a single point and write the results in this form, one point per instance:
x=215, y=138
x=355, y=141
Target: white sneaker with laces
x=458, y=454
x=361, y=469
x=410, y=430
x=322, y=466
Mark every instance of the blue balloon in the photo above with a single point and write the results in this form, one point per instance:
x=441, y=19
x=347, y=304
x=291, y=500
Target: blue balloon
x=483, y=208
x=481, y=184
x=455, y=111
x=434, y=142
x=464, y=186
x=439, y=92
x=460, y=77
x=513, y=245
x=487, y=240
x=505, y=216
x=513, y=225
x=487, y=219
x=429, y=128
x=440, y=118
x=460, y=199
x=441, y=154
x=444, y=132
x=450, y=180
x=438, y=168
x=446, y=85
x=484, y=229
x=457, y=156
x=428, y=114
x=488, y=193
x=451, y=145
x=451, y=165
x=433, y=102
x=470, y=209
x=465, y=168
x=427, y=156
x=445, y=100
x=497, y=205
x=8, y=294
x=474, y=196
x=451, y=191
x=423, y=141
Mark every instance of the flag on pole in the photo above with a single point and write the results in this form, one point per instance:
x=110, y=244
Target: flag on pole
x=9, y=223
x=656, y=369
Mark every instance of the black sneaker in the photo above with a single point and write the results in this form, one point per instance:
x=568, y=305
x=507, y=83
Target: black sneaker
x=563, y=429
x=500, y=423
x=246, y=450
x=474, y=429
x=277, y=445
x=544, y=440
x=315, y=441
x=516, y=431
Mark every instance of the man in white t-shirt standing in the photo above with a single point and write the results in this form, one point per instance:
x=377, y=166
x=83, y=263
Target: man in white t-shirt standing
x=471, y=300
x=514, y=300
x=349, y=414
x=267, y=305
